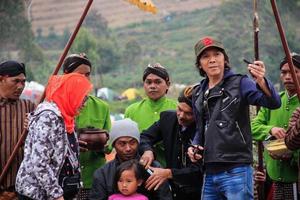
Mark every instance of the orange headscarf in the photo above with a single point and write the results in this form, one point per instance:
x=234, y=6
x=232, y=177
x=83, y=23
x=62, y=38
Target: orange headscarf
x=68, y=92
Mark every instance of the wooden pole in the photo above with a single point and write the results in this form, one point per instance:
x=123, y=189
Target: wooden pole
x=285, y=46
x=261, y=193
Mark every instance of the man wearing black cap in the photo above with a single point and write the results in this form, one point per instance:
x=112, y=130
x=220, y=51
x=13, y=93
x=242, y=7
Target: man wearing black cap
x=175, y=129
x=95, y=114
x=282, y=170
x=146, y=112
x=221, y=108
x=12, y=115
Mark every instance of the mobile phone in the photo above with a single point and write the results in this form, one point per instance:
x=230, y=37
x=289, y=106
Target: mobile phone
x=246, y=61
x=149, y=171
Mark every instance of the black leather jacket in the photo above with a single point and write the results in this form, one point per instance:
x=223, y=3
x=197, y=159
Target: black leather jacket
x=226, y=136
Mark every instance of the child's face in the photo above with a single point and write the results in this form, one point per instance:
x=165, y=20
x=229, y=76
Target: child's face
x=128, y=183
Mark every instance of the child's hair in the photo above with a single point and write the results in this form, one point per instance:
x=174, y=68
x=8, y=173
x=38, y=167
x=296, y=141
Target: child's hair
x=134, y=165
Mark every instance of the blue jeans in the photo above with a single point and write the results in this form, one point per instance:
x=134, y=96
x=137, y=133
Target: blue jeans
x=234, y=184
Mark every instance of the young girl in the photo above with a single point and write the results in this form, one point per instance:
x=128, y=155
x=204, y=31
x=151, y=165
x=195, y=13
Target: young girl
x=128, y=177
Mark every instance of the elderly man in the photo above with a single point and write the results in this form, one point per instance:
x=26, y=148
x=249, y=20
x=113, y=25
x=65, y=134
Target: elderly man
x=145, y=112
x=282, y=170
x=95, y=114
x=175, y=129
x=125, y=138
x=12, y=115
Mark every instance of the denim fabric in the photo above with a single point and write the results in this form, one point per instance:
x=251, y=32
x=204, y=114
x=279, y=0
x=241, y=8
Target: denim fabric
x=234, y=184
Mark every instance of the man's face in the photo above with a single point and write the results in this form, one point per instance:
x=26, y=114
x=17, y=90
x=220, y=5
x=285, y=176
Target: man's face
x=212, y=62
x=287, y=80
x=126, y=147
x=185, y=114
x=12, y=87
x=155, y=87
x=83, y=69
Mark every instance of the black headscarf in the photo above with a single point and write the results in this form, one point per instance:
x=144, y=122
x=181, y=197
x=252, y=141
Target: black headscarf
x=158, y=70
x=73, y=61
x=12, y=68
x=295, y=58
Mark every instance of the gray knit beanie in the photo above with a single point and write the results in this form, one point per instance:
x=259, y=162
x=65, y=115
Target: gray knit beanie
x=123, y=128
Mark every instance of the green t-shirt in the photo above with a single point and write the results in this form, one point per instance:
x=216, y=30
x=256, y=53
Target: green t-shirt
x=94, y=114
x=266, y=119
x=146, y=112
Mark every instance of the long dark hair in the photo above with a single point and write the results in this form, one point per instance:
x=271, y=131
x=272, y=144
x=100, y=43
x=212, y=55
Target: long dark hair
x=134, y=165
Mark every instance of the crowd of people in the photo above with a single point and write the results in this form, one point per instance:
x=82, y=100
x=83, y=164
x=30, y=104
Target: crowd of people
x=199, y=147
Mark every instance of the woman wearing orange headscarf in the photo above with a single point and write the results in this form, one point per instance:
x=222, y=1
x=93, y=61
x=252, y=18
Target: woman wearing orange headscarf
x=50, y=169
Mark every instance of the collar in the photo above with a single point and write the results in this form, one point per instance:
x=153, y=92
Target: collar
x=161, y=99
x=4, y=101
x=290, y=97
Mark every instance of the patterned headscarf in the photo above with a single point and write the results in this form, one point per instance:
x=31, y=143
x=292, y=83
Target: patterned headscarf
x=185, y=95
x=68, y=92
x=158, y=70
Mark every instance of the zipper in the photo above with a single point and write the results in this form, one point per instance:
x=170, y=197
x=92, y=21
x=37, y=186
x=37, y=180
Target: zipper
x=207, y=107
x=229, y=104
x=238, y=127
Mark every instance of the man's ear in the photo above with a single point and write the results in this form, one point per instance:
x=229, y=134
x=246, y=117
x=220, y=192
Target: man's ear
x=168, y=83
x=1, y=78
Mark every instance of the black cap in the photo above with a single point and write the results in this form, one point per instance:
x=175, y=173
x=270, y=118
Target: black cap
x=12, y=68
x=75, y=60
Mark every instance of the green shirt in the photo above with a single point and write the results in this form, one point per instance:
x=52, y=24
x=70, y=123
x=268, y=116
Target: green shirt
x=94, y=114
x=146, y=112
x=266, y=119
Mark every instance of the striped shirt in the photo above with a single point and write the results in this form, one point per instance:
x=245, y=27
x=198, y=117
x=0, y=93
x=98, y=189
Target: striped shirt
x=12, y=115
x=292, y=139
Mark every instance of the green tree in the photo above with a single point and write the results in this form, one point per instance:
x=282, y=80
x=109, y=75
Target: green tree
x=131, y=55
x=16, y=36
x=97, y=24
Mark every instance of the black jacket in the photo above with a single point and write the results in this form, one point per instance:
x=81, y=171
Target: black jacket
x=186, y=175
x=103, y=181
x=228, y=135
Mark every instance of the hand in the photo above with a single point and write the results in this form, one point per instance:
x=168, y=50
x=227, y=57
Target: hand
x=147, y=158
x=158, y=177
x=257, y=70
x=26, y=121
x=278, y=132
x=260, y=176
x=60, y=198
x=82, y=145
x=193, y=152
